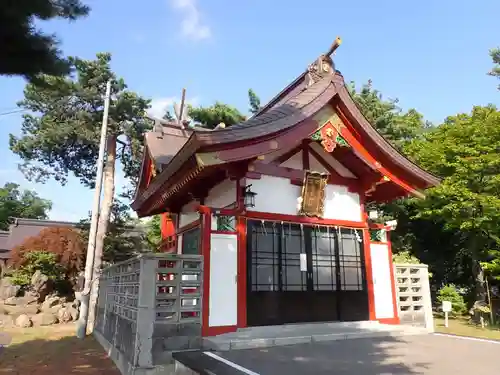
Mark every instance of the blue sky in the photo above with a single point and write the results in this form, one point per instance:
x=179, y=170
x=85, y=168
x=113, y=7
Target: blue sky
x=432, y=55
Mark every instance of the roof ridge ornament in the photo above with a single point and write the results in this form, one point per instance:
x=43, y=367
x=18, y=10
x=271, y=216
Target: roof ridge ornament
x=323, y=66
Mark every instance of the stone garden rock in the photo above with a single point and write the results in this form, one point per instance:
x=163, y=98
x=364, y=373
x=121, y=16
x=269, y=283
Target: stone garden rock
x=7, y=289
x=20, y=309
x=23, y=321
x=64, y=315
x=27, y=299
x=6, y=321
x=41, y=285
x=50, y=302
x=74, y=313
x=44, y=319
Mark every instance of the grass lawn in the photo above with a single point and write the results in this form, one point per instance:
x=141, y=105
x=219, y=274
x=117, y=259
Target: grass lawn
x=53, y=350
x=462, y=328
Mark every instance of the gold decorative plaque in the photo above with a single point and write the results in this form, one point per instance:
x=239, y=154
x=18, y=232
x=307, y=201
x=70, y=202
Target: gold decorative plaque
x=313, y=194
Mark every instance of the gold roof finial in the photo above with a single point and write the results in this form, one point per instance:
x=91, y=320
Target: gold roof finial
x=336, y=44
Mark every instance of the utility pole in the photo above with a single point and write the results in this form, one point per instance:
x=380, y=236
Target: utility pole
x=81, y=330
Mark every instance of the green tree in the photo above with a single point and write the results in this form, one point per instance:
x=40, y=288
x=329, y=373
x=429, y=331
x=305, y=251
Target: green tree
x=27, y=51
x=396, y=126
x=153, y=232
x=495, y=56
x=254, y=102
x=450, y=293
x=125, y=237
x=16, y=203
x=61, y=137
x=464, y=150
x=210, y=117
x=43, y=261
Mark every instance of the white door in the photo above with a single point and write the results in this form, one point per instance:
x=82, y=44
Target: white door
x=382, y=285
x=223, y=301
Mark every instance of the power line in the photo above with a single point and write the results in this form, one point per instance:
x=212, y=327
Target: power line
x=12, y=112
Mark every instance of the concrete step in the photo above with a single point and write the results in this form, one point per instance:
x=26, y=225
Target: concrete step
x=303, y=334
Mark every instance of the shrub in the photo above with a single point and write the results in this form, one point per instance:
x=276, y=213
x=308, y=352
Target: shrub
x=450, y=293
x=42, y=261
x=405, y=257
x=64, y=243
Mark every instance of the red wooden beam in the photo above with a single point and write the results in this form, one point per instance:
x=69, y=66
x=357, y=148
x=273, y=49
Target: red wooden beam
x=305, y=154
x=368, y=158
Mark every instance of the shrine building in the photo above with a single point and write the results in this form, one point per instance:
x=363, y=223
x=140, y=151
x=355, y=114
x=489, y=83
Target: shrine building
x=276, y=206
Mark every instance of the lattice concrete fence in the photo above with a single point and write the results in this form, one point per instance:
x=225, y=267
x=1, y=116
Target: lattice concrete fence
x=148, y=307
x=414, y=295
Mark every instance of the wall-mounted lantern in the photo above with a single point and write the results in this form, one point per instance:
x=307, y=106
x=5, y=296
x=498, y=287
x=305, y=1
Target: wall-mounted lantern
x=248, y=197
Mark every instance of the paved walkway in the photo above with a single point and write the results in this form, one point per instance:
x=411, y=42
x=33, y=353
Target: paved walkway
x=424, y=354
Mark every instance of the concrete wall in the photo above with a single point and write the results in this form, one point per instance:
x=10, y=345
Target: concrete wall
x=148, y=307
x=414, y=295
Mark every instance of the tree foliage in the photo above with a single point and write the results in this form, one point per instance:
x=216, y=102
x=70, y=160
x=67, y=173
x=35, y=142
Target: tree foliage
x=62, y=135
x=27, y=51
x=125, y=237
x=210, y=117
x=396, y=126
x=254, y=102
x=495, y=56
x=43, y=261
x=450, y=293
x=23, y=204
x=66, y=243
x=153, y=232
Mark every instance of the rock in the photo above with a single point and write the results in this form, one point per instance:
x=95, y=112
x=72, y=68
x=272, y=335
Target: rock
x=50, y=302
x=64, y=315
x=76, y=303
x=20, y=310
x=6, y=321
x=74, y=313
x=28, y=299
x=44, y=319
x=41, y=285
x=23, y=321
x=7, y=289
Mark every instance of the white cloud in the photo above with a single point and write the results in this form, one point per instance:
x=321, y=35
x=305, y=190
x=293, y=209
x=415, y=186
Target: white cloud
x=160, y=105
x=192, y=24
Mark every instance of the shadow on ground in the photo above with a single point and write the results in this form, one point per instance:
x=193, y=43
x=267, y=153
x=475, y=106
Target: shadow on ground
x=373, y=356
x=67, y=355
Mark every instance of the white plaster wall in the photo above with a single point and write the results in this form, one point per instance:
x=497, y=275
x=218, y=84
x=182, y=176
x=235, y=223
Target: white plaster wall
x=294, y=162
x=382, y=283
x=340, y=204
x=277, y=195
x=222, y=195
x=223, y=300
x=179, y=244
x=188, y=214
x=315, y=165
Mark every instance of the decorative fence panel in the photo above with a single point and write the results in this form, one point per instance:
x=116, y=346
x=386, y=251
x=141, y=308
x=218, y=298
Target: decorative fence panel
x=149, y=306
x=414, y=295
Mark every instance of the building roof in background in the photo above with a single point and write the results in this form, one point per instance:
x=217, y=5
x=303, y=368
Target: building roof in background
x=4, y=238
x=21, y=229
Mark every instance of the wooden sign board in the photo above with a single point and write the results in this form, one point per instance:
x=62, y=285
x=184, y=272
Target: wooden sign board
x=313, y=194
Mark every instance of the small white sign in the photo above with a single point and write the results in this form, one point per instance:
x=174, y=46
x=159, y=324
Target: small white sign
x=303, y=262
x=446, y=306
